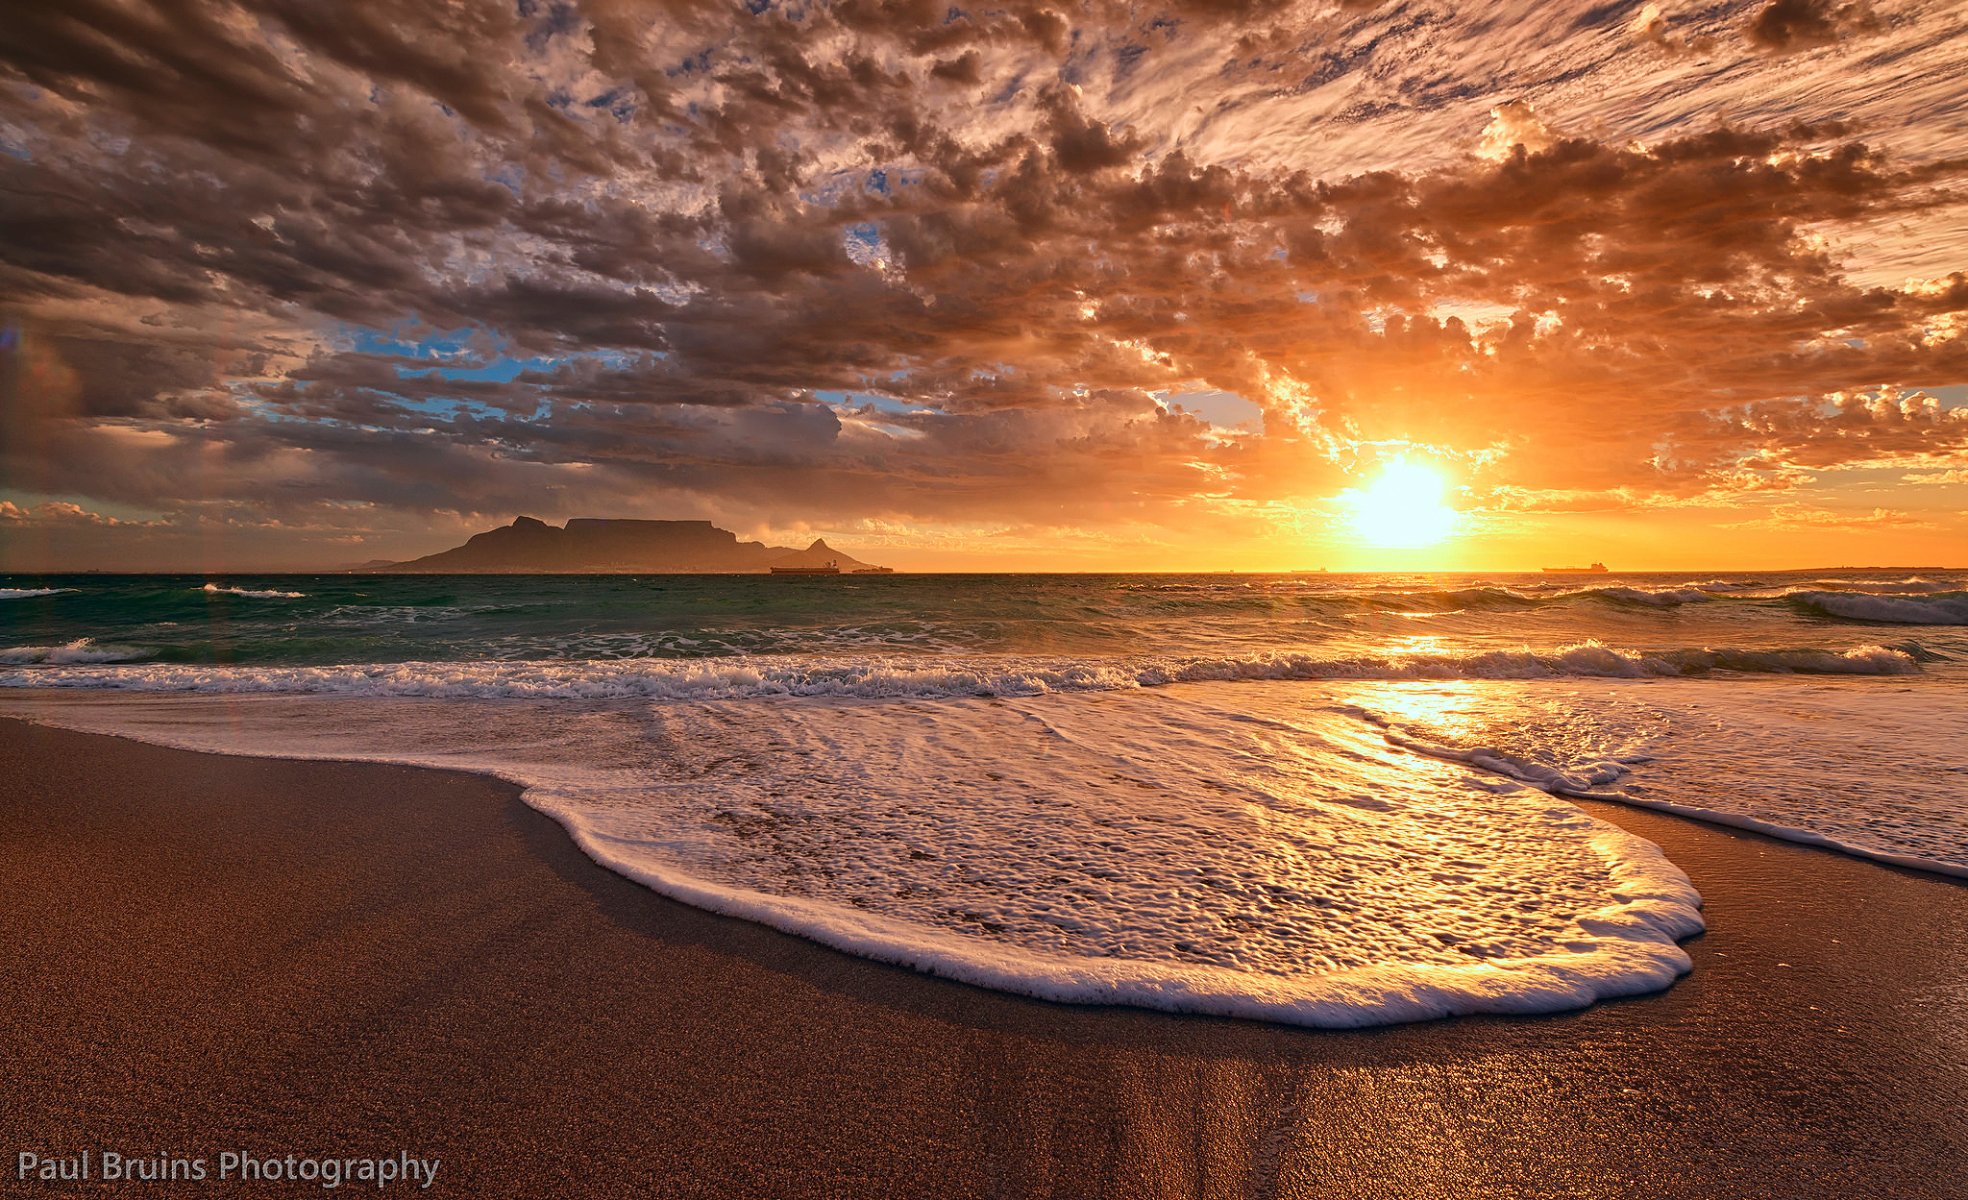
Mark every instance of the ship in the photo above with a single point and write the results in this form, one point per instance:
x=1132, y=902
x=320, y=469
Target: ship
x=1597, y=568
x=872, y=571
x=832, y=567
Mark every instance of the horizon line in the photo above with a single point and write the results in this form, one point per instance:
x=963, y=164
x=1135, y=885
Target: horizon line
x=1569, y=573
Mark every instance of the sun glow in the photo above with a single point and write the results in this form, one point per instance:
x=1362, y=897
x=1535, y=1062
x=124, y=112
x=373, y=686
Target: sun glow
x=1404, y=508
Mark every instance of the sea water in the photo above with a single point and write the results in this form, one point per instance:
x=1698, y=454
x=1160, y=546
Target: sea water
x=1322, y=799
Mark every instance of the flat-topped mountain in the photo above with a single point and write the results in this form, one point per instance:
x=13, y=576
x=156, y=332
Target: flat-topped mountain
x=592, y=544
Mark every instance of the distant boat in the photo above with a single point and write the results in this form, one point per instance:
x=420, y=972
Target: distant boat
x=872, y=571
x=1597, y=568
x=832, y=568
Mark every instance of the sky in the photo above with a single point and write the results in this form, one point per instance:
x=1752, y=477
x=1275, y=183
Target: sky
x=1024, y=286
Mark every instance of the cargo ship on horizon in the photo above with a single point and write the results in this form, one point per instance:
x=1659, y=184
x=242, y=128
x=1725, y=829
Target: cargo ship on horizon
x=830, y=567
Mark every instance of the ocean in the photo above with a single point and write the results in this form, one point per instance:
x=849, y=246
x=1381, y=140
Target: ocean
x=1329, y=800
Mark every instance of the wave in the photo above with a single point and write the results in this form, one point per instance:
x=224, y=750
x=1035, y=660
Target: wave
x=79, y=651
x=970, y=857
x=1649, y=597
x=739, y=678
x=215, y=589
x=1885, y=587
x=1881, y=834
x=1739, y=591
x=891, y=636
x=29, y=593
x=1586, y=780
x=1494, y=598
x=1482, y=598
x=1844, y=844
x=1934, y=609
x=1624, y=949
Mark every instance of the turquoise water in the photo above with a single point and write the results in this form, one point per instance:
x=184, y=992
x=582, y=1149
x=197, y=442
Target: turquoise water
x=320, y=620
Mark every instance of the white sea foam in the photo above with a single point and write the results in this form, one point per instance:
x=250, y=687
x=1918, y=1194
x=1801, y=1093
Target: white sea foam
x=1871, y=772
x=1951, y=609
x=1913, y=584
x=30, y=593
x=1250, y=852
x=80, y=651
x=249, y=593
x=921, y=677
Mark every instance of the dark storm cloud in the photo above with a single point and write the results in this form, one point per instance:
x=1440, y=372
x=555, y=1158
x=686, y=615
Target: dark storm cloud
x=1000, y=235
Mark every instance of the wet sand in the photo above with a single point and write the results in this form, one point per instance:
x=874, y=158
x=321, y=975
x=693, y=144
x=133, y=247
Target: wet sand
x=202, y=953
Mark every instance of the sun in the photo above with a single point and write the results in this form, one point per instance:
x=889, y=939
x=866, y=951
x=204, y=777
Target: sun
x=1404, y=508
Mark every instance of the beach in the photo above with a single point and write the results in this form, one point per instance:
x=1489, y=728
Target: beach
x=1281, y=600
x=209, y=953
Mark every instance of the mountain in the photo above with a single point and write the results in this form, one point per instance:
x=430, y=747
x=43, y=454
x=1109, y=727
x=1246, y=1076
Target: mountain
x=819, y=554
x=592, y=544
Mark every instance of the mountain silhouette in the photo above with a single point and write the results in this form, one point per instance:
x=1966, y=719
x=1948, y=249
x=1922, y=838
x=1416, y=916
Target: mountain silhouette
x=602, y=545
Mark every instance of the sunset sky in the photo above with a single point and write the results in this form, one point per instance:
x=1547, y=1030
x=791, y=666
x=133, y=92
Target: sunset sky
x=1198, y=285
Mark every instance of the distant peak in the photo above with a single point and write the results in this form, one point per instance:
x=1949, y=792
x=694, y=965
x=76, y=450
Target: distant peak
x=620, y=545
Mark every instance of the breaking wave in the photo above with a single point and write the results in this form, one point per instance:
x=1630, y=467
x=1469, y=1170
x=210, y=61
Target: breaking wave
x=798, y=675
x=1495, y=598
x=81, y=650
x=1912, y=584
x=251, y=594
x=1949, y=608
x=29, y=593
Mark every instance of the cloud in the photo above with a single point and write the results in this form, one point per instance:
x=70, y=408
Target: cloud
x=330, y=272
x=1513, y=126
x=1652, y=26
x=56, y=513
x=1805, y=517
x=1787, y=25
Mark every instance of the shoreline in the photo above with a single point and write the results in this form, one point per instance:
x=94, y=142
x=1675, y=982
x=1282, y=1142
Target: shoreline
x=355, y=958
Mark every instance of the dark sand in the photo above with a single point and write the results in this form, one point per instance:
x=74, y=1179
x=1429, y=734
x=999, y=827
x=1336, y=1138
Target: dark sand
x=201, y=953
